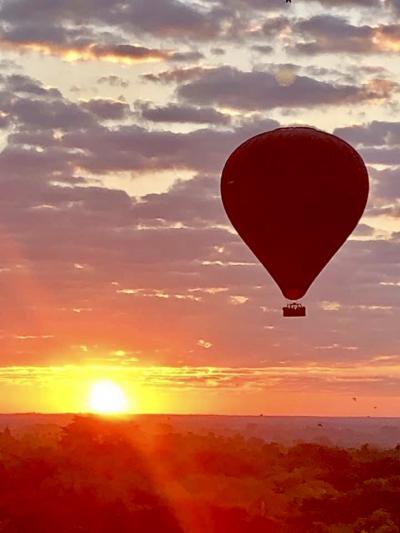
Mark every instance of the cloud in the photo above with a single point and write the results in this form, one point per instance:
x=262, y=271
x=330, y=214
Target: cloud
x=165, y=18
x=363, y=230
x=329, y=34
x=53, y=133
x=113, y=81
x=190, y=56
x=115, y=53
x=333, y=34
x=182, y=114
x=176, y=74
x=376, y=133
x=274, y=25
x=100, y=31
x=22, y=84
x=107, y=109
x=393, y=4
x=165, y=270
x=5, y=121
x=132, y=148
x=255, y=90
x=262, y=49
x=382, y=156
x=74, y=31
x=277, y=5
x=198, y=201
x=345, y=379
x=378, y=141
x=387, y=184
x=56, y=114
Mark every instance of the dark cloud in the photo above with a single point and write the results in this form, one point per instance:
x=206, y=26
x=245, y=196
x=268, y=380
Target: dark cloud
x=135, y=149
x=376, y=133
x=381, y=156
x=378, y=141
x=176, y=75
x=182, y=114
x=107, y=109
x=276, y=5
x=58, y=114
x=262, y=49
x=127, y=51
x=35, y=163
x=68, y=28
x=218, y=51
x=163, y=18
x=363, y=230
x=55, y=132
x=347, y=3
x=22, y=84
x=393, y=4
x=198, y=201
x=166, y=18
x=190, y=56
x=387, y=184
x=5, y=121
x=81, y=44
x=113, y=81
x=331, y=34
x=255, y=90
x=274, y=25
x=18, y=83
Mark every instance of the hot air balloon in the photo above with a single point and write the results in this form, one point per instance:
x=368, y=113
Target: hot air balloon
x=294, y=195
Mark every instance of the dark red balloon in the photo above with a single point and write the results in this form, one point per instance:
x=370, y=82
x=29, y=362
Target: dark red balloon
x=294, y=195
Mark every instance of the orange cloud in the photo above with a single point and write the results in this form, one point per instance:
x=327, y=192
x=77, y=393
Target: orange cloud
x=385, y=41
x=122, y=53
x=221, y=389
x=210, y=377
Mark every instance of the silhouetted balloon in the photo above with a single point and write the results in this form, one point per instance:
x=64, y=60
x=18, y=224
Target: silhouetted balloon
x=294, y=195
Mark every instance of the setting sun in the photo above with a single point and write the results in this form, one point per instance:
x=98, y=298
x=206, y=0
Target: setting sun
x=106, y=397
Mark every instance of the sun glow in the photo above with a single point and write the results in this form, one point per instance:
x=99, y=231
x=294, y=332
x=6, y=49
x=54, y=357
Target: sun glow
x=106, y=397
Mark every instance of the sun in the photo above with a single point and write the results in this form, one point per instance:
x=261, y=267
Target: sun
x=106, y=397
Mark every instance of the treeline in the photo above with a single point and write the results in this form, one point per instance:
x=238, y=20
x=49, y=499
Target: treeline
x=110, y=475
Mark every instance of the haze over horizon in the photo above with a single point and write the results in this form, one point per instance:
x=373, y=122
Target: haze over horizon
x=118, y=261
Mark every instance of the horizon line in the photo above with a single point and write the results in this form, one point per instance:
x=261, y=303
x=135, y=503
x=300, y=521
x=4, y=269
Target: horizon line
x=124, y=415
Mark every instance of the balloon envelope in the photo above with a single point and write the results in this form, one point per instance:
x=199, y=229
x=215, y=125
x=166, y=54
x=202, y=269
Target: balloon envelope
x=294, y=195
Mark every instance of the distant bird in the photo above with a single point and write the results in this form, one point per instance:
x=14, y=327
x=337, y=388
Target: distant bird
x=376, y=407
x=288, y=1
x=354, y=399
x=320, y=426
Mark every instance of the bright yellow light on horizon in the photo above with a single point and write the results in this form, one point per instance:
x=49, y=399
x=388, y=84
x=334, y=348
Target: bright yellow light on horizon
x=108, y=398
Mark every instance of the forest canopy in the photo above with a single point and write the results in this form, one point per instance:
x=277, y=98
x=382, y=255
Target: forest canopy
x=106, y=475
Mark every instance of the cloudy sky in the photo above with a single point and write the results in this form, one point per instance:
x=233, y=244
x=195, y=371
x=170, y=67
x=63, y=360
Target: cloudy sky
x=117, y=259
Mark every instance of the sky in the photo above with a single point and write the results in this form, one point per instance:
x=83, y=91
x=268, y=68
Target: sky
x=117, y=259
